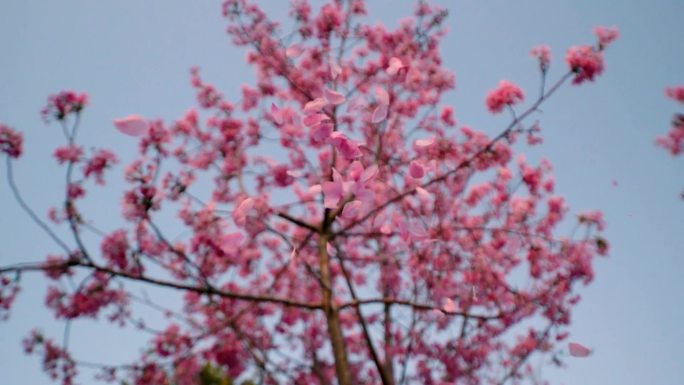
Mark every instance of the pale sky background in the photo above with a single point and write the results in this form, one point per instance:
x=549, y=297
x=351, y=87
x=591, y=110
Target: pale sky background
x=133, y=56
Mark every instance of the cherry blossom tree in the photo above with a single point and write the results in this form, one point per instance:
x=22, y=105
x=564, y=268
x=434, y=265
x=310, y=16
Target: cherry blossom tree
x=353, y=231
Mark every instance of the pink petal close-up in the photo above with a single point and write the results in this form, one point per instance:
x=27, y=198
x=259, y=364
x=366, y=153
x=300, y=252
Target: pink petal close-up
x=578, y=350
x=333, y=97
x=133, y=125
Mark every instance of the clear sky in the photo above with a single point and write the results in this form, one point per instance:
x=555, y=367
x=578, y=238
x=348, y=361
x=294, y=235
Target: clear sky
x=133, y=56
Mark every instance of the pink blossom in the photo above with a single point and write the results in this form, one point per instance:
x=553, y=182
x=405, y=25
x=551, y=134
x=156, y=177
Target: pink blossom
x=63, y=104
x=675, y=93
x=348, y=148
x=281, y=175
x=315, y=105
x=321, y=132
x=139, y=201
x=230, y=242
x=446, y=115
x=115, y=248
x=241, y=211
x=416, y=170
x=75, y=191
x=674, y=140
x=101, y=160
x=334, y=191
x=395, y=65
x=68, y=154
x=313, y=120
x=10, y=141
x=593, y=217
x=506, y=94
x=585, y=62
x=606, y=35
x=8, y=292
x=132, y=125
x=543, y=54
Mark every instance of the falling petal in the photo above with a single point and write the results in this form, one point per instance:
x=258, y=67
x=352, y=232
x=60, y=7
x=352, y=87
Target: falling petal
x=416, y=170
x=423, y=143
x=395, y=65
x=333, y=97
x=294, y=51
x=314, y=119
x=449, y=306
x=276, y=114
x=369, y=173
x=355, y=104
x=423, y=194
x=240, y=213
x=315, y=189
x=321, y=132
x=315, y=105
x=379, y=114
x=133, y=125
x=335, y=70
x=577, y=350
x=382, y=96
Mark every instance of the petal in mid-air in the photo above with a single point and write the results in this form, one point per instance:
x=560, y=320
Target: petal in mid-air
x=133, y=125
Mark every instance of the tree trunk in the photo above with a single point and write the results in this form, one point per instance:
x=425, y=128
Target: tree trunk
x=334, y=328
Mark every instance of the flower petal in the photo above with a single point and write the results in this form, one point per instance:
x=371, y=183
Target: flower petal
x=294, y=51
x=133, y=125
x=395, y=65
x=578, y=350
x=333, y=97
x=379, y=114
x=315, y=105
x=382, y=96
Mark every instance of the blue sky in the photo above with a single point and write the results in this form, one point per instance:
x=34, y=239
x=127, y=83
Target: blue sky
x=133, y=57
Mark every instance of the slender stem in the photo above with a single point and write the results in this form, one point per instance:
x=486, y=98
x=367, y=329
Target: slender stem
x=382, y=369
x=29, y=211
x=165, y=283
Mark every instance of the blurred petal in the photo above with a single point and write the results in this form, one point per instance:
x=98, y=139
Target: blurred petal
x=578, y=350
x=133, y=125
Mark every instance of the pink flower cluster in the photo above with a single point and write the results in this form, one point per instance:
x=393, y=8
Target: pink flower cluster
x=543, y=54
x=10, y=141
x=8, y=292
x=88, y=300
x=585, y=61
x=674, y=140
x=506, y=94
x=63, y=104
x=68, y=154
x=605, y=36
x=114, y=249
x=675, y=93
x=57, y=362
x=98, y=163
